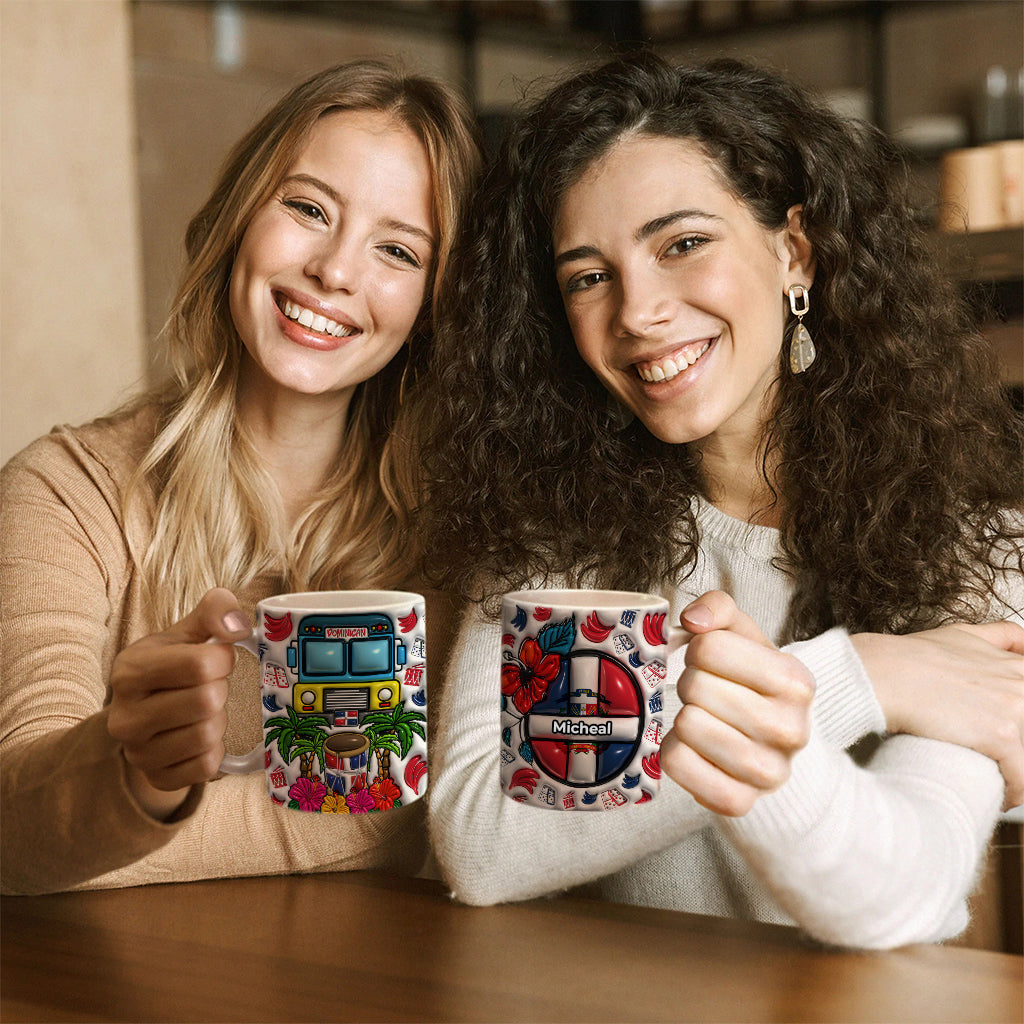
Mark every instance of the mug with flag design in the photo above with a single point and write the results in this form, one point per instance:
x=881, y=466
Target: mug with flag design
x=582, y=677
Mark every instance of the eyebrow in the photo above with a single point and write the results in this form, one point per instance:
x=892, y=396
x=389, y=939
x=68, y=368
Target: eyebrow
x=582, y=252
x=642, y=234
x=335, y=197
x=652, y=227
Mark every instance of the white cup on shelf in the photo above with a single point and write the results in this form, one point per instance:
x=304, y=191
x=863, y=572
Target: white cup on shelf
x=971, y=190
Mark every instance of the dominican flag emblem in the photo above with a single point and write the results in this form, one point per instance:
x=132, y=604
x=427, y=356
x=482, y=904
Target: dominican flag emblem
x=587, y=728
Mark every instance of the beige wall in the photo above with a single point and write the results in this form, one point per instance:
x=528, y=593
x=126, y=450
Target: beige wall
x=71, y=340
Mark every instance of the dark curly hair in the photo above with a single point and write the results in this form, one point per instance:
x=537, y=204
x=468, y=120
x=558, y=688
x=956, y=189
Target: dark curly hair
x=899, y=457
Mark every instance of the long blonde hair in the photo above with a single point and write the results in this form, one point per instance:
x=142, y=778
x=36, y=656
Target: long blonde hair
x=216, y=514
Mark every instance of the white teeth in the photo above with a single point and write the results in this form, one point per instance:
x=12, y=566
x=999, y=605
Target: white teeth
x=314, y=321
x=667, y=368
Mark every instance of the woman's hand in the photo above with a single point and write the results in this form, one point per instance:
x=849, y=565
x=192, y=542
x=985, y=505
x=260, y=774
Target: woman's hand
x=746, y=710
x=960, y=683
x=169, y=691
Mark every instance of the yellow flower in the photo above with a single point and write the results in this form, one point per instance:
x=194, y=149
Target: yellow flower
x=334, y=804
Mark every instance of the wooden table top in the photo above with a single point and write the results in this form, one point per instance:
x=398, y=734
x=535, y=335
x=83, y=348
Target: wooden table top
x=368, y=947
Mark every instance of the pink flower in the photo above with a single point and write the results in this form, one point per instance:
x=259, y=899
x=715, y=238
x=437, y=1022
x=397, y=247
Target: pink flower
x=527, y=680
x=360, y=802
x=308, y=794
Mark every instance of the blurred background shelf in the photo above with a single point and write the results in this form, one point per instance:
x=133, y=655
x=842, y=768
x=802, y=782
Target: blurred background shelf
x=152, y=93
x=990, y=267
x=988, y=256
x=592, y=27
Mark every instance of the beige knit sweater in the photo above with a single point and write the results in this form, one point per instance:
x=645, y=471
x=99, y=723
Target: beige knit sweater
x=71, y=600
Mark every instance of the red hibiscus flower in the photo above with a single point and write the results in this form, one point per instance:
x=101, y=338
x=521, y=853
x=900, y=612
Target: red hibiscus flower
x=385, y=793
x=527, y=678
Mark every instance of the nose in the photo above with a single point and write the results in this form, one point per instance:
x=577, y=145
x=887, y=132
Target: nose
x=644, y=304
x=335, y=264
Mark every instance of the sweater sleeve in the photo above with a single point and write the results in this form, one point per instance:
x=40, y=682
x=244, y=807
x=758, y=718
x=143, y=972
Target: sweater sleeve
x=885, y=854
x=879, y=856
x=1008, y=604
x=67, y=812
x=845, y=707
x=69, y=819
x=492, y=849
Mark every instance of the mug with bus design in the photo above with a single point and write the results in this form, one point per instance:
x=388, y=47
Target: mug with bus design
x=582, y=674
x=343, y=679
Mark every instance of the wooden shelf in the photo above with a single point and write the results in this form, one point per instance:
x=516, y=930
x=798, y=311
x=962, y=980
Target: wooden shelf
x=596, y=29
x=583, y=23
x=987, y=257
x=990, y=265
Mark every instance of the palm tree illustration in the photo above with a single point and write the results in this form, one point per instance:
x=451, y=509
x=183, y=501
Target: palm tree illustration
x=391, y=732
x=300, y=736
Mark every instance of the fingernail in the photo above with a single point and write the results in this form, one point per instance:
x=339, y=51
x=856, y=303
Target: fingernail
x=699, y=615
x=236, y=622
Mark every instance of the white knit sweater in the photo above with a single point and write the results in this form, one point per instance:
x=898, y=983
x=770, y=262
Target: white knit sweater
x=874, y=856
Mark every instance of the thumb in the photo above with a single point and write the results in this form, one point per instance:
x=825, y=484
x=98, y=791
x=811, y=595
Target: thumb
x=717, y=610
x=218, y=616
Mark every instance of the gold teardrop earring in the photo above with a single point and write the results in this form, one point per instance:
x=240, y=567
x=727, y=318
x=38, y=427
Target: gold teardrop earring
x=801, y=349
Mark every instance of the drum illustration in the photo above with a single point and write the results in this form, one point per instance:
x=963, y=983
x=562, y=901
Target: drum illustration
x=345, y=760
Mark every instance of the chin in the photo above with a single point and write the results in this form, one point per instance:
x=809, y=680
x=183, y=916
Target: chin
x=672, y=433
x=305, y=377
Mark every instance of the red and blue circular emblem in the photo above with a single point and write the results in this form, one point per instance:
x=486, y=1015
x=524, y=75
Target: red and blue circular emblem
x=587, y=728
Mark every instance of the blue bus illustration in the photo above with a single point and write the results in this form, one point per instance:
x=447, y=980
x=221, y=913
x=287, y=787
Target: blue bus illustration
x=345, y=664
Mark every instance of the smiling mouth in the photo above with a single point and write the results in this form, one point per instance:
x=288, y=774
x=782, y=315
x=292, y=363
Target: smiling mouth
x=314, y=321
x=658, y=371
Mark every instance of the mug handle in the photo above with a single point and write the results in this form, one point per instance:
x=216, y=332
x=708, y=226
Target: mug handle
x=242, y=764
x=677, y=637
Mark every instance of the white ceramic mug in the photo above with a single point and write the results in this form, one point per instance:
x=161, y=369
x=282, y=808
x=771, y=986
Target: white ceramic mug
x=582, y=674
x=343, y=692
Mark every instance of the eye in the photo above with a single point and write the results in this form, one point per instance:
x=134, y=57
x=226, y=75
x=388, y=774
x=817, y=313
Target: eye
x=686, y=245
x=399, y=252
x=306, y=209
x=585, y=281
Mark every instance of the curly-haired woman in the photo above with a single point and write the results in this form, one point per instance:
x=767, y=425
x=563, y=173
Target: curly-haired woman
x=276, y=459
x=700, y=348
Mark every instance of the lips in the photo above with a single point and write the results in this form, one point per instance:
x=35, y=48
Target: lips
x=314, y=321
x=667, y=367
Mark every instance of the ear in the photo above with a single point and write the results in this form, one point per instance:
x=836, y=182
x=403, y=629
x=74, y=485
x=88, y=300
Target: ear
x=798, y=246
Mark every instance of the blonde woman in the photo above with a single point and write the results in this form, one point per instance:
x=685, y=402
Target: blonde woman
x=275, y=459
